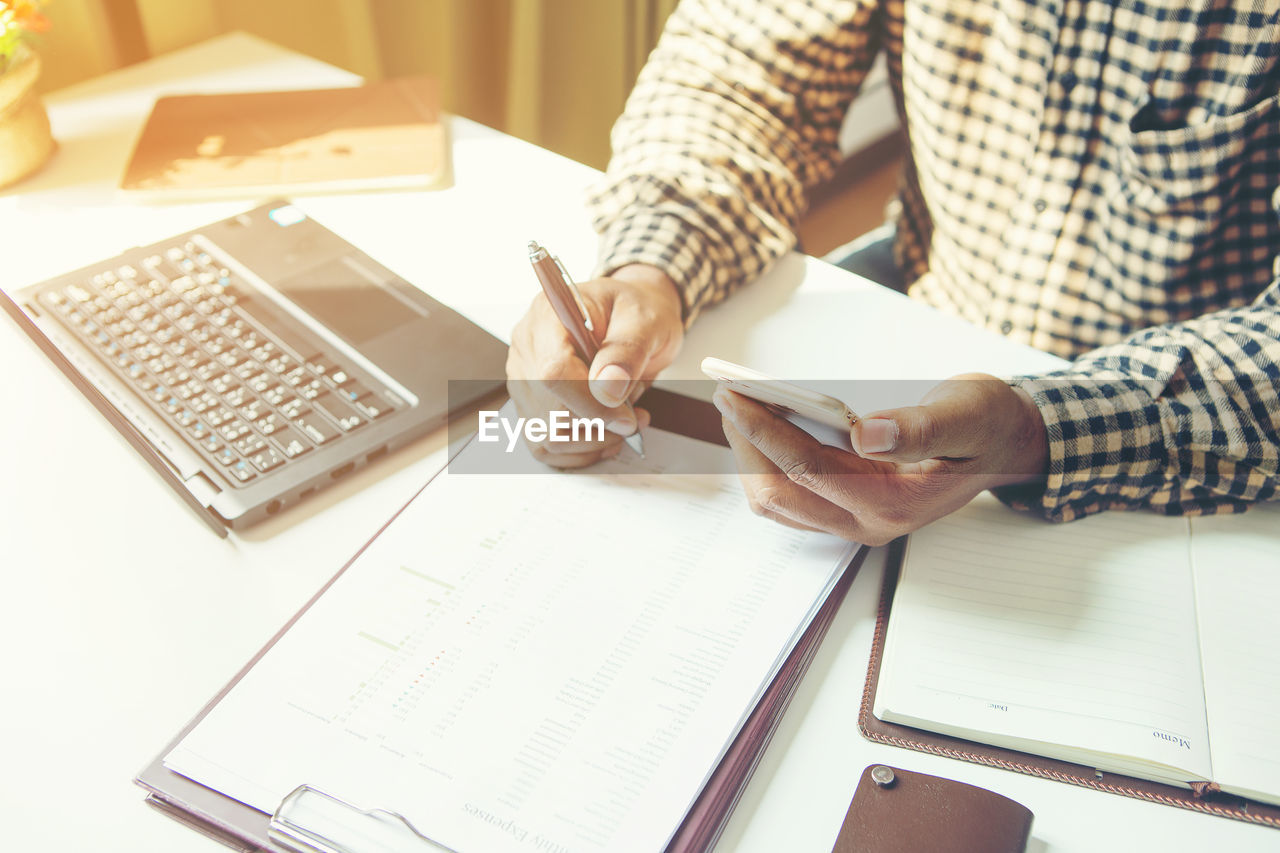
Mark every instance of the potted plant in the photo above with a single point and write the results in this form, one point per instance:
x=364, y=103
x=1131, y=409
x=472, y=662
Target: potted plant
x=25, y=141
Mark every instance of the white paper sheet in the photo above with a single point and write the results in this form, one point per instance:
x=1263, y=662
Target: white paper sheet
x=1080, y=637
x=1237, y=571
x=533, y=662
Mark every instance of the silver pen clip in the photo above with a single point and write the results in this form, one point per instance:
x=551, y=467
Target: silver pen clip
x=577, y=297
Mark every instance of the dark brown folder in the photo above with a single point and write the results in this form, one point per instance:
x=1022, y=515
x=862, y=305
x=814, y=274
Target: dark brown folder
x=1205, y=800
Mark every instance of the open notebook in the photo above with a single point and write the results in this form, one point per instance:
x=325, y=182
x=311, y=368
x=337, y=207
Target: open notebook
x=1130, y=643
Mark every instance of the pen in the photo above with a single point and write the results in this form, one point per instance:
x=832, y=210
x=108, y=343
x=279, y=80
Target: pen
x=567, y=304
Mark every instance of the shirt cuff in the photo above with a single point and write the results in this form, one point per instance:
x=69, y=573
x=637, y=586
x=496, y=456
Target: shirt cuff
x=665, y=241
x=1106, y=446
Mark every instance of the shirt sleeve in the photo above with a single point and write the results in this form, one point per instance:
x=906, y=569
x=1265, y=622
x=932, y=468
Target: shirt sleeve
x=737, y=111
x=1181, y=419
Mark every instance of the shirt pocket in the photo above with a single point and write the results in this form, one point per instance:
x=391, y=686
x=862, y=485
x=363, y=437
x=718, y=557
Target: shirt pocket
x=1184, y=224
x=1193, y=171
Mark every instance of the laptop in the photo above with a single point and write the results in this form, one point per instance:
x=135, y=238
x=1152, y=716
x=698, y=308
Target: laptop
x=258, y=359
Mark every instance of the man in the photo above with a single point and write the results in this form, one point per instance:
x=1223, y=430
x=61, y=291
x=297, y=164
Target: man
x=1097, y=178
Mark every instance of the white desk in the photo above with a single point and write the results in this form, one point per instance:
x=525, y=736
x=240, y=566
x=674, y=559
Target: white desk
x=121, y=615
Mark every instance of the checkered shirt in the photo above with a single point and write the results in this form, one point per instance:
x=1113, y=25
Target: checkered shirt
x=1095, y=178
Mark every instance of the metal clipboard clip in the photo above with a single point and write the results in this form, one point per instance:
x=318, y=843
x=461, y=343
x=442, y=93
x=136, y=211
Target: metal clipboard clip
x=311, y=821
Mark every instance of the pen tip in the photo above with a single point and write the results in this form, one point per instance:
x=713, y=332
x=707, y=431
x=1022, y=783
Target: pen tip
x=636, y=443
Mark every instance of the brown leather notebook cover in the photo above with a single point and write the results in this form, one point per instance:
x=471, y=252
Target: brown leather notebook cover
x=1207, y=801
x=901, y=811
x=382, y=135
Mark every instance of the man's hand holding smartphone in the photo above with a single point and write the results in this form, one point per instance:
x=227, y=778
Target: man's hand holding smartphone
x=903, y=468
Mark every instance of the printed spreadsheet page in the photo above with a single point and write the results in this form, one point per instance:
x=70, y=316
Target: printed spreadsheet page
x=540, y=660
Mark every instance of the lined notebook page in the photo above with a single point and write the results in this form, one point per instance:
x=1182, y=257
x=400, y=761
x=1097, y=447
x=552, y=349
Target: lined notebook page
x=541, y=662
x=1009, y=630
x=1237, y=575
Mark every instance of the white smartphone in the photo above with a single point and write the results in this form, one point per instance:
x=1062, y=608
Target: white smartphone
x=790, y=401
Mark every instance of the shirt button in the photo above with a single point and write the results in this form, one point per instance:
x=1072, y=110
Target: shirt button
x=1006, y=327
x=1040, y=205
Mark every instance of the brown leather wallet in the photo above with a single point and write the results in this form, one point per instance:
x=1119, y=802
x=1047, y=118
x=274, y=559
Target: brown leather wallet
x=901, y=811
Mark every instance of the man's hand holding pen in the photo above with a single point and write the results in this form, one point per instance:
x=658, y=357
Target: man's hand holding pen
x=908, y=466
x=636, y=320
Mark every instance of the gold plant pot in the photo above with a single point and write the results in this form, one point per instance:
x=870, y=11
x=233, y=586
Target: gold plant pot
x=25, y=141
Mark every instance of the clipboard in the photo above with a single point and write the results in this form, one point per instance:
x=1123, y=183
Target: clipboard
x=1202, y=799
x=309, y=820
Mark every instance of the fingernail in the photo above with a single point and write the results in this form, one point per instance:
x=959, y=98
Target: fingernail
x=879, y=435
x=622, y=426
x=610, y=385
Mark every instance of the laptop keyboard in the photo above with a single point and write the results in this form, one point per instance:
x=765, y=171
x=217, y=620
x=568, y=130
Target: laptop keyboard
x=191, y=338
